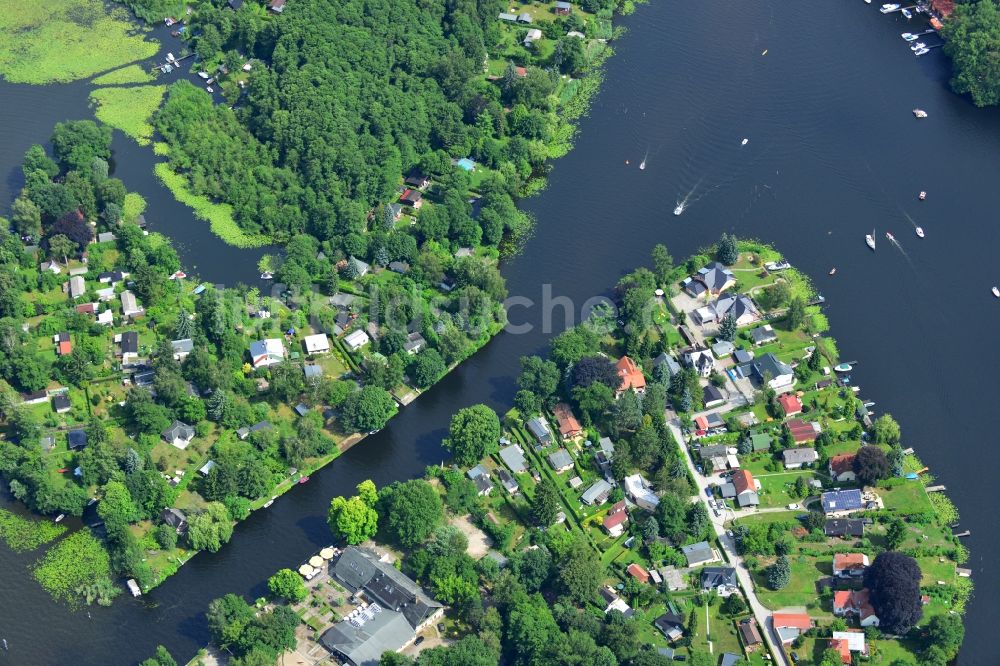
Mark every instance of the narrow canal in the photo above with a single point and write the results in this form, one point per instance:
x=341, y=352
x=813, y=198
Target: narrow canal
x=833, y=151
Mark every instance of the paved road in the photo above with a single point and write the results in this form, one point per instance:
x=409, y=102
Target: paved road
x=762, y=614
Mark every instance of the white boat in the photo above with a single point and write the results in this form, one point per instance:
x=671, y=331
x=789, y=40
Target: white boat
x=885, y=9
x=907, y=13
x=917, y=46
x=920, y=232
x=777, y=265
x=921, y=52
x=919, y=113
x=210, y=89
x=679, y=209
x=60, y=517
x=267, y=275
x=868, y=2
x=922, y=195
x=870, y=239
x=833, y=271
x=642, y=165
x=203, y=75
x=744, y=142
x=890, y=236
x=909, y=36
x=996, y=292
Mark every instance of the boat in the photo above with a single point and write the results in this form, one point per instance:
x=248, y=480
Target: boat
x=60, y=517
x=890, y=236
x=870, y=239
x=909, y=36
x=209, y=89
x=906, y=12
x=744, y=142
x=868, y=2
x=777, y=265
x=885, y=9
x=843, y=367
x=920, y=232
x=833, y=271
x=917, y=46
x=921, y=52
x=922, y=195
x=919, y=113
x=679, y=209
x=5, y=644
x=179, y=275
x=764, y=52
x=268, y=503
x=304, y=479
x=203, y=75
x=642, y=164
x=996, y=292
x=267, y=275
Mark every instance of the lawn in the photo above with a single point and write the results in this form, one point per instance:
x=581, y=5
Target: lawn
x=801, y=590
x=906, y=498
x=717, y=629
x=66, y=40
x=776, y=489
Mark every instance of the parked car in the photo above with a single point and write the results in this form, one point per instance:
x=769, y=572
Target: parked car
x=420, y=639
x=793, y=507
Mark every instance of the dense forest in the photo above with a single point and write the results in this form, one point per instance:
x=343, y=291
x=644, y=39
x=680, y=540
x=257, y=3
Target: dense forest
x=973, y=43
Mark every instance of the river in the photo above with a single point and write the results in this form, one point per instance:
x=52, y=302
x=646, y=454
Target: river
x=833, y=151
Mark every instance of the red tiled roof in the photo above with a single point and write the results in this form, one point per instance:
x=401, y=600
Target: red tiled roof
x=842, y=463
x=856, y=601
x=638, y=573
x=65, y=347
x=790, y=404
x=841, y=646
x=843, y=561
x=630, y=374
x=797, y=620
x=86, y=308
x=568, y=425
x=743, y=481
x=616, y=516
x=802, y=431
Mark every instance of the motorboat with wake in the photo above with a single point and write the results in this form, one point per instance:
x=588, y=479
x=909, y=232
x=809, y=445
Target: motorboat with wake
x=996, y=292
x=870, y=240
x=679, y=209
x=890, y=237
x=642, y=164
x=920, y=232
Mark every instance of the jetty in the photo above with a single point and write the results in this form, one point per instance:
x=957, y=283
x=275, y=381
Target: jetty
x=935, y=489
x=133, y=587
x=966, y=533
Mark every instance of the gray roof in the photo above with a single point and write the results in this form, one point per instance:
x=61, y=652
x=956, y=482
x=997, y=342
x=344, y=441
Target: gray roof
x=76, y=439
x=513, y=457
x=560, y=458
x=184, y=346
x=842, y=500
x=477, y=471
x=711, y=393
x=312, y=371
x=666, y=359
x=716, y=576
x=600, y=489
x=736, y=305
x=173, y=517
x=730, y=659
x=742, y=356
x=483, y=483
x=361, y=569
x=713, y=450
x=360, y=266
x=607, y=446
x=507, y=480
x=130, y=342
x=763, y=334
x=723, y=348
x=178, y=430
x=799, y=456
x=697, y=553
x=765, y=365
x=301, y=409
x=844, y=527
x=713, y=276
x=540, y=429
x=387, y=631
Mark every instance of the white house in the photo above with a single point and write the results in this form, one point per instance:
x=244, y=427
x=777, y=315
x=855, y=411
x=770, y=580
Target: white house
x=130, y=307
x=355, y=340
x=639, y=490
x=533, y=36
x=316, y=344
x=267, y=352
x=77, y=287
x=701, y=360
x=106, y=318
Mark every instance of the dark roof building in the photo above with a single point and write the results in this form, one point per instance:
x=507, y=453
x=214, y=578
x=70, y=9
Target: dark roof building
x=61, y=403
x=714, y=278
x=842, y=501
x=76, y=439
x=844, y=527
x=175, y=518
x=716, y=577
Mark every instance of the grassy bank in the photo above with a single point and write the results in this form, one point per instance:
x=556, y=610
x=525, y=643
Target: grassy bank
x=127, y=74
x=66, y=40
x=218, y=215
x=129, y=109
x=22, y=534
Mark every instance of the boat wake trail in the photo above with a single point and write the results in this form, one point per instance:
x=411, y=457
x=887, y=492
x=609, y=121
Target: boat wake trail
x=690, y=197
x=904, y=252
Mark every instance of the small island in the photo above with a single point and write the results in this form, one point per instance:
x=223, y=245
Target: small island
x=688, y=479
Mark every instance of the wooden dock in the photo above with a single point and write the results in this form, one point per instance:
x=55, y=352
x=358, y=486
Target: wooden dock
x=935, y=489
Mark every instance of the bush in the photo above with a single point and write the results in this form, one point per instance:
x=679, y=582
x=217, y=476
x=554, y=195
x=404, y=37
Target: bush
x=166, y=536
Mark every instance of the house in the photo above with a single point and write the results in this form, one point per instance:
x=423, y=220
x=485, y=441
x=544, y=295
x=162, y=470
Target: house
x=796, y=458
x=569, y=427
x=130, y=307
x=641, y=493
x=105, y=295
x=175, y=518
x=803, y=431
x=597, y=493
x=277, y=6
x=563, y=8
x=844, y=527
x=63, y=343
x=128, y=346
x=76, y=439
x=763, y=335
x=503, y=16
x=790, y=404
x=846, y=642
x=86, y=308
x=77, y=287
x=760, y=441
x=842, y=468
x=669, y=365
x=418, y=178
x=849, y=565
x=712, y=397
x=723, y=348
x=106, y=318
x=181, y=348
x=359, y=267
x=534, y=34
x=637, y=572
x=745, y=488
x=411, y=198
x=730, y=659
x=207, y=468
x=179, y=434
x=713, y=279
x=524, y=17
x=356, y=339
x=631, y=377
x=111, y=277
x=397, y=609
x=400, y=267
x=513, y=457
x=750, y=634
x=607, y=447
x=540, y=430
x=50, y=266
x=670, y=625
x=106, y=237
x=741, y=356
x=312, y=371
x=507, y=481
x=720, y=579
x=701, y=360
x=699, y=553
x=706, y=422
x=615, y=603
x=767, y=368
x=838, y=503
x=61, y=403
x=855, y=603
x=561, y=460
x=301, y=409
x=414, y=343
x=316, y=344
x=243, y=433
x=483, y=485
x=35, y=398
x=740, y=306
x=790, y=626
x=267, y=352
x=616, y=519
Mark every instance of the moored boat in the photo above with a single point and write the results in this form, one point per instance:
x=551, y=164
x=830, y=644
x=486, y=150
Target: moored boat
x=304, y=479
x=870, y=239
x=909, y=36
x=996, y=292
x=885, y=9
x=833, y=271
x=921, y=52
x=267, y=275
x=906, y=12
x=843, y=367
